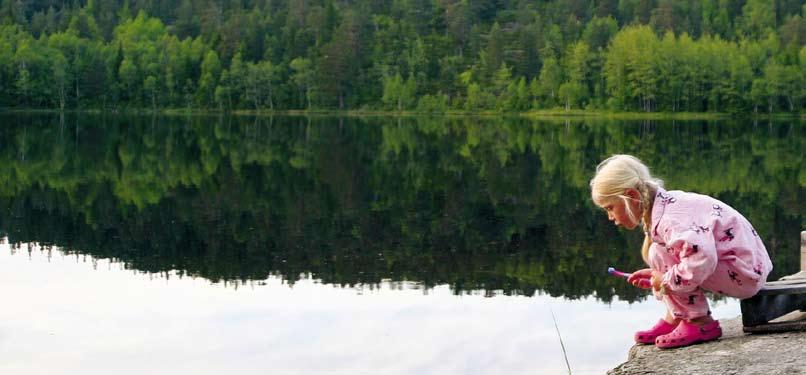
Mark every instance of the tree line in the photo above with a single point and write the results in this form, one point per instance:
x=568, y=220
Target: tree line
x=405, y=55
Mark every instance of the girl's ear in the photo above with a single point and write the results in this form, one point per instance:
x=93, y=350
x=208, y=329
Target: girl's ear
x=632, y=193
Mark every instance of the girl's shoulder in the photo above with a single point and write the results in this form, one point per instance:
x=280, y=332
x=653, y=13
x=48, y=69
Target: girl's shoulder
x=690, y=202
x=677, y=207
x=700, y=204
x=684, y=210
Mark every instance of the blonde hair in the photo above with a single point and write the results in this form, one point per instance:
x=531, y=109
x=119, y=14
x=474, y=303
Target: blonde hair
x=618, y=173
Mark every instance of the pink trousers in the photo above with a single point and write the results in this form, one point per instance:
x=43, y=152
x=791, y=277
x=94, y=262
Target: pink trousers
x=730, y=278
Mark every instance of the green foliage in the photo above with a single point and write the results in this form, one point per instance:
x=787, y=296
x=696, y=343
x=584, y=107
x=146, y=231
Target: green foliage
x=479, y=203
x=493, y=56
x=500, y=80
x=758, y=16
x=259, y=80
x=478, y=99
x=303, y=77
x=210, y=74
x=549, y=82
x=571, y=93
x=151, y=89
x=599, y=31
x=433, y=103
x=628, y=55
x=399, y=94
x=84, y=26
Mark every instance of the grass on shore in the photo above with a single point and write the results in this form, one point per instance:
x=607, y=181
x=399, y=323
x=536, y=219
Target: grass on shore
x=556, y=113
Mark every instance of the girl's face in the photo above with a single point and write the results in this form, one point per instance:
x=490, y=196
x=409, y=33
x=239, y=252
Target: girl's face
x=616, y=209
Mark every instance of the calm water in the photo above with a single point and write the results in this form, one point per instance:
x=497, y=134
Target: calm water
x=319, y=245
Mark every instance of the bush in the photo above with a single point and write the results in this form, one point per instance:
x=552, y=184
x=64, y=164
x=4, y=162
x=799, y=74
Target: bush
x=433, y=103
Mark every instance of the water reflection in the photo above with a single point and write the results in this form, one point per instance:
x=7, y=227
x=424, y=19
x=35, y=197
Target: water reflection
x=107, y=321
x=499, y=206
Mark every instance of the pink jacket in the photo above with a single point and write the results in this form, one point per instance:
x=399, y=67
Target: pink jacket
x=696, y=232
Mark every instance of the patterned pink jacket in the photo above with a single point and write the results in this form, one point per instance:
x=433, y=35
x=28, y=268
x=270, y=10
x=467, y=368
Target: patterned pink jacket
x=691, y=233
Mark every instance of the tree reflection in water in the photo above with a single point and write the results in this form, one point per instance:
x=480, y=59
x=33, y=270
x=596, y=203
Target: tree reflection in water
x=494, y=205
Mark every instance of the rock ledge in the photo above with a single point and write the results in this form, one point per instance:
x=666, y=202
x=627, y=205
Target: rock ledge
x=734, y=353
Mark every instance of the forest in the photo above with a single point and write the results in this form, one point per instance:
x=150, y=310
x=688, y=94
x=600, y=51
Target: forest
x=723, y=56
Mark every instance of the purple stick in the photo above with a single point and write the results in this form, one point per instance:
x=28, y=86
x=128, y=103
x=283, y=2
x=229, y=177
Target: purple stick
x=615, y=272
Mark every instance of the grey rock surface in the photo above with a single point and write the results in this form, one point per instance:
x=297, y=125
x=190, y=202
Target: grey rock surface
x=734, y=353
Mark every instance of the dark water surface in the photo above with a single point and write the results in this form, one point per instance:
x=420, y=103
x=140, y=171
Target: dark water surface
x=322, y=245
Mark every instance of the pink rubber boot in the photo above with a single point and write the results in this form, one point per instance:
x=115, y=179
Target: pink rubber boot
x=688, y=333
x=662, y=327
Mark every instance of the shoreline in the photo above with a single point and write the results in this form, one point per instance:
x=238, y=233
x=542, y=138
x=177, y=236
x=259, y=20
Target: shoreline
x=554, y=114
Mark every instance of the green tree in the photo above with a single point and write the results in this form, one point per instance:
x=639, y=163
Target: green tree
x=599, y=31
x=187, y=21
x=493, y=55
x=500, y=80
x=340, y=60
x=303, y=77
x=758, y=16
x=663, y=17
x=793, y=37
x=670, y=65
x=458, y=19
x=578, y=68
x=32, y=73
x=129, y=77
x=259, y=83
x=392, y=87
x=151, y=89
x=223, y=92
x=571, y=93
x=61, y=78
x=84, y=26
x=630, y=68
x=517, y=95
x=210, y=74
x=44, y=23
x=416, y=59
x=397, y=93
x=759, y=94
x=409, y=92
x=534, y=93
x=738, y=82
x=475, y=98
x=23, y=82
x=550, y=79
x=12, y=11
x=783, y=82
x=237, y=80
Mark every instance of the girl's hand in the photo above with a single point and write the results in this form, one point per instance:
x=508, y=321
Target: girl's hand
x=641, y=278
x=655, y=280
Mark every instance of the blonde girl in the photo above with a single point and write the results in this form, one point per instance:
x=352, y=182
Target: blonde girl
x=692, y=243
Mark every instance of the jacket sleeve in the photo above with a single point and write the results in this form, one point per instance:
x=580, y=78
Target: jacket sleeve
x=696, y=250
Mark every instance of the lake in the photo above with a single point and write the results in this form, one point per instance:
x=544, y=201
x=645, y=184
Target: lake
x=353, y=245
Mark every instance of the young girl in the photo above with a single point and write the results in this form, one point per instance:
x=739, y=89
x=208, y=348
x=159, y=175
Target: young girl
x=692, y=243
